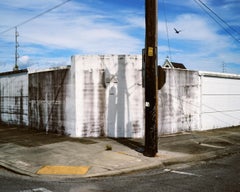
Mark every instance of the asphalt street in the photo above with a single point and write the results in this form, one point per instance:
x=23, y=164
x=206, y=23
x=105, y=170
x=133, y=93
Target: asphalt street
x=221, y=174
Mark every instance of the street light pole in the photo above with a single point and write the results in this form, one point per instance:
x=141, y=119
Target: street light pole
x=151, y=78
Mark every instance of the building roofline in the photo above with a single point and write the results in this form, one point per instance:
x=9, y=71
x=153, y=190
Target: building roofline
x=49, y=69
x=14, y=72
x=220, y=75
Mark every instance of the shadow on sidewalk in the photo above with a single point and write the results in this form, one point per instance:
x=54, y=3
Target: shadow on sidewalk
x=33, y=138
x=135, y=144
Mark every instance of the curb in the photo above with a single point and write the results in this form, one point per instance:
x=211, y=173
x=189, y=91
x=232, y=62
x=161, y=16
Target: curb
x=160, y=164
x=126, y=170
x=204, y=156
x=16, y=170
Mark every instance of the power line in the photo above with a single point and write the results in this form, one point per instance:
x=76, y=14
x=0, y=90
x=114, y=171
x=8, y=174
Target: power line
x=230, y=27
x=35, y=17
x=202, y=7
x=166, y=25
x=10, y=57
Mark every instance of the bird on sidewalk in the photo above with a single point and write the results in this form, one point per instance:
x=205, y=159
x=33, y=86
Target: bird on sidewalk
x=177, y=31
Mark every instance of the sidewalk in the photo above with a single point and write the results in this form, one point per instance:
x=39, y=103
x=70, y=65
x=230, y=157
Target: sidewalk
x=35, y=153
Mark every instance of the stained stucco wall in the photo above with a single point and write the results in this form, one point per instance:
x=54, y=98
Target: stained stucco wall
x=108, y=95
x=47, y=98
x=193, y=100
x=179, y=102
x=14, y=98
x=103, y=96
x=89, y=96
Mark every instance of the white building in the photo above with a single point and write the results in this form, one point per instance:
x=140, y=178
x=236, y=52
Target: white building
x=102, y=95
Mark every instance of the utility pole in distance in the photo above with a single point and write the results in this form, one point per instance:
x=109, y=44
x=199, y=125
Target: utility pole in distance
x=151, y=78
x=16, y=50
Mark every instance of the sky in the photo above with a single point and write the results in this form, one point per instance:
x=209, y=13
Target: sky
x=93, y=27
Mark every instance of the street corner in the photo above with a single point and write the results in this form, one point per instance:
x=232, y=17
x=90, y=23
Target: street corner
x=63, y=170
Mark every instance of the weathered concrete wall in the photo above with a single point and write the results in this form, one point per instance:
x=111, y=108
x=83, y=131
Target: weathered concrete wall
x=14, y=98
x=124, y=96
x=109, y=97
x=89, y=96
x=70, y=103
x=192, y=100
x=179, y=102
x=220, y=100
x=103, y=96
x=47, y=97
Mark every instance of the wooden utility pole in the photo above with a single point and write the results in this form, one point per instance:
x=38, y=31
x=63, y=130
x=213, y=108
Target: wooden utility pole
x=151, y=78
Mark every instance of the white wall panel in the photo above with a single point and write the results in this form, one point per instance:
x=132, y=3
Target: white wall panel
x=220, y=119
x=220, y=85
x=220, y=100
x=212, y=103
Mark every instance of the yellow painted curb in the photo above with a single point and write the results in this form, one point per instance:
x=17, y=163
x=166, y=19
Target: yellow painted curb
x=63, y=170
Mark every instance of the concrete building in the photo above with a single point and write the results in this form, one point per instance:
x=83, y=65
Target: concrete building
x=103, y=96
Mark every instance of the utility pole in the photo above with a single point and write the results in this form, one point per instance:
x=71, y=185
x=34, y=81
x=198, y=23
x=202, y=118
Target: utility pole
x=223, y=67
x=151, y=78
x=16, y=50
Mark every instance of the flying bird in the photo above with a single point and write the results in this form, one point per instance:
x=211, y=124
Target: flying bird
x=177, y=31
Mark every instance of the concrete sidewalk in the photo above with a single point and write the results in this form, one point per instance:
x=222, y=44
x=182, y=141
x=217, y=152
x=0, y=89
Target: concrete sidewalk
x=35, y=153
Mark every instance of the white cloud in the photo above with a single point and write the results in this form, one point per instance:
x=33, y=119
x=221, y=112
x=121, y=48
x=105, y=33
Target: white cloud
x=193, y=27
x=24, y=59
x=199, y=45
x=83, y=28
x=83, y=32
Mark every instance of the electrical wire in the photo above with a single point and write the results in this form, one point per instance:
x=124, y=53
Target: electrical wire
x=166, y=26
x=198, y=2
x=230, y=27
x=35, y=17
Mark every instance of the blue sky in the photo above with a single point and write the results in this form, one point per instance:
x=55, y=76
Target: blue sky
x=90, y=27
